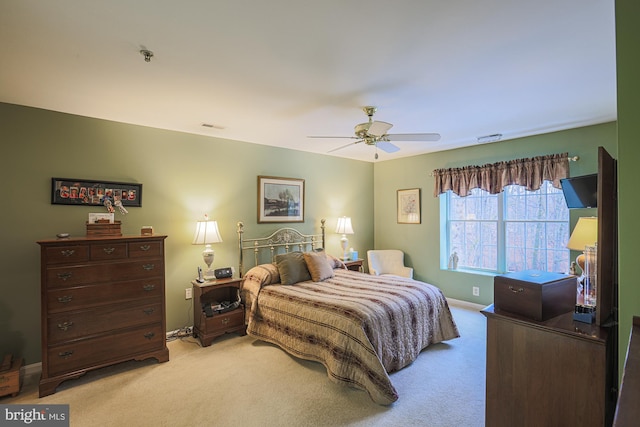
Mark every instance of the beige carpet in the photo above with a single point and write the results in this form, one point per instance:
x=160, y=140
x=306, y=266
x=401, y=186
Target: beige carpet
x=239, y=381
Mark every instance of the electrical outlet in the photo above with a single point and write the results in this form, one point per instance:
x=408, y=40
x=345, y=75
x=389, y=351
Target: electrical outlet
x=476, y=291
x=188, y=293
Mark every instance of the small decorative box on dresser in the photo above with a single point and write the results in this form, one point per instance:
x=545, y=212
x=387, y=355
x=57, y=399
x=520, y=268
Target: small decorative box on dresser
x=103, y=302
x=208, y=323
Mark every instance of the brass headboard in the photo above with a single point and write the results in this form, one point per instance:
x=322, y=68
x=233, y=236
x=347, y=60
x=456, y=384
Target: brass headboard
x=287, y=238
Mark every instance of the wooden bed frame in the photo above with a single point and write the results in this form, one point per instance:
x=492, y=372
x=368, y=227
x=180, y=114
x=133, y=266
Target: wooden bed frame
x=281, y=240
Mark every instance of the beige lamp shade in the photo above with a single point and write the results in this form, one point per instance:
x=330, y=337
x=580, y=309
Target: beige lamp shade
x=584, y=234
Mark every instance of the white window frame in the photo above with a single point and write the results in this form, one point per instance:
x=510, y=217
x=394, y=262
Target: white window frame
x=501, y=268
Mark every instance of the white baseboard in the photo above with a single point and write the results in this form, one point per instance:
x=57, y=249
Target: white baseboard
x=465, y=304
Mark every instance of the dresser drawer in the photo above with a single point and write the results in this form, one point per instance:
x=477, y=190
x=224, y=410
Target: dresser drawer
x=68, y=276
x=107, y=293
x=72, y=325
x=145, y=249
x=106, y=251
x=104, y=350
x=66, y=254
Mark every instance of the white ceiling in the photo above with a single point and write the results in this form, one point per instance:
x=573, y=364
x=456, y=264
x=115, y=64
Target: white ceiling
x=275, y=72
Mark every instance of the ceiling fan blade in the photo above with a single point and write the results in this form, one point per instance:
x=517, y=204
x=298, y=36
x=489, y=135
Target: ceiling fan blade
x=387, y=147
x=343, y=146
x=341, y=137
x=379, y=128
x=430, y=137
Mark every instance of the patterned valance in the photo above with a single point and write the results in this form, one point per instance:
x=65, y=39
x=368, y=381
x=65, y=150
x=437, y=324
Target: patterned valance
x=529, y=173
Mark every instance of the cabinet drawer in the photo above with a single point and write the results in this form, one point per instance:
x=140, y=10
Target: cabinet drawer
x=108, y=251
x=67, y=254
x=108, y=293
x=221, y=322
x=68, y=276
x=77, y=324
x=103, y=350
x=145, y=249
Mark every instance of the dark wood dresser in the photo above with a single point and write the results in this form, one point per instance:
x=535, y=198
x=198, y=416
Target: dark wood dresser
x=556, y=372
x=103, y=302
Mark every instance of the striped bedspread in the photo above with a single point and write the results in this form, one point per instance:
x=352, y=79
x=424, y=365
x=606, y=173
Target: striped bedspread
x=360, y=327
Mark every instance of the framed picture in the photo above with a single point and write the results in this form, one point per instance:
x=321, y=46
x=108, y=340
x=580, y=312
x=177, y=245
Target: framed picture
x=86, y=192
x=280, y=199
x=409, y=206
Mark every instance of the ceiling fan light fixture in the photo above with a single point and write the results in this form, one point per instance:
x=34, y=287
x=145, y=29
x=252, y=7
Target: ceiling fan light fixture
x=489, y=138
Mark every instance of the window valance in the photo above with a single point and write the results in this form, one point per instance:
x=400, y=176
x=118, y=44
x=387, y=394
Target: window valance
x=493, y=177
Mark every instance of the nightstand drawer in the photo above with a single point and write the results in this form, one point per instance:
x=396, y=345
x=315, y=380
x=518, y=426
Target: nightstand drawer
x=224, y=321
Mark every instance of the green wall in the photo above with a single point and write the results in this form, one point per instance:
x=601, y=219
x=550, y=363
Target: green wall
x=628, y=71
x=184, y=176
x=421, y=242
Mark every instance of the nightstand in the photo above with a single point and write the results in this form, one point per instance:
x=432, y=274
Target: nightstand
x=207, y=328
x=355, y=265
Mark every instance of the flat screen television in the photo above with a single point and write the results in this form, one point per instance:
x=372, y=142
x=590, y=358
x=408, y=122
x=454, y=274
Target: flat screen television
x=581, y=191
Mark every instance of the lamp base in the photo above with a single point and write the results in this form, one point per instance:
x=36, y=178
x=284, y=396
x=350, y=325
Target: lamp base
x=208, y=274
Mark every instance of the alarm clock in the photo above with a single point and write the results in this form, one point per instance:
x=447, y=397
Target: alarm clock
x=223, y=273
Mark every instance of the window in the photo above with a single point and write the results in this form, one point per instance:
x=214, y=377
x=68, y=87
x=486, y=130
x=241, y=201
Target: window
x=514, y=230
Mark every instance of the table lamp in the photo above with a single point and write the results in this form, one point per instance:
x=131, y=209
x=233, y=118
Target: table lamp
x=344, y=227
x=206, y=234
x=584, y=234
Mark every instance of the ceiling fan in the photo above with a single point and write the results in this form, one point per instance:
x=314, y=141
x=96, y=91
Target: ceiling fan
x=374, y=133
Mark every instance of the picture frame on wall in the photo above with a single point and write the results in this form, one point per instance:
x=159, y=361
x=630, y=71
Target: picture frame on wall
x=280, y=199
x=87, y=192
x=409, y=211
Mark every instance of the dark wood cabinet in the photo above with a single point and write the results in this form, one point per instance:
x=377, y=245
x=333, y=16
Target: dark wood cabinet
x=103, y=302
x=207, y=328
x=556, y=372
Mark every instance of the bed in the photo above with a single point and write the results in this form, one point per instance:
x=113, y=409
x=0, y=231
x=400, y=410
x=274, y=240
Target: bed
x=360, y=327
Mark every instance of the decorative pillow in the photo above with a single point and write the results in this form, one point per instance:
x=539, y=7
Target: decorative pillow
x=292, y=268
x=318, y=265
x=264, y=274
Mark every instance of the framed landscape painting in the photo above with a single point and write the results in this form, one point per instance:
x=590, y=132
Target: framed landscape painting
x=280, y=199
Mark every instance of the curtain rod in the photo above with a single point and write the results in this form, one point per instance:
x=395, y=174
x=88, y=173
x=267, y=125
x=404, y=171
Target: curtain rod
x=570, y=158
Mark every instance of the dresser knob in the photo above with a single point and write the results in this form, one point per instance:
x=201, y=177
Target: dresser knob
x=66, y=354
x=145, y=247
x=148, y=311
x=64, y=276
x=65, y=326
x=225, y=321
x=514, y=290
x=148, y=287
x=67, y=252
x=149, y=335
x=148, y=266
x=65, y=299
x=108, y=251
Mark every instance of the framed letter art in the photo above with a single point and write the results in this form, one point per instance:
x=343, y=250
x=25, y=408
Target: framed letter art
x=280, y=199
x=409, y=206
x=85, y=192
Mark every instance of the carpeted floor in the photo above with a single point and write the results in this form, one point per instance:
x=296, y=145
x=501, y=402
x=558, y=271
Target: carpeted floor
x=239, y=381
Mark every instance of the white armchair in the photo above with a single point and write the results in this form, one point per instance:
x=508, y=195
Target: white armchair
x=388, y=261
